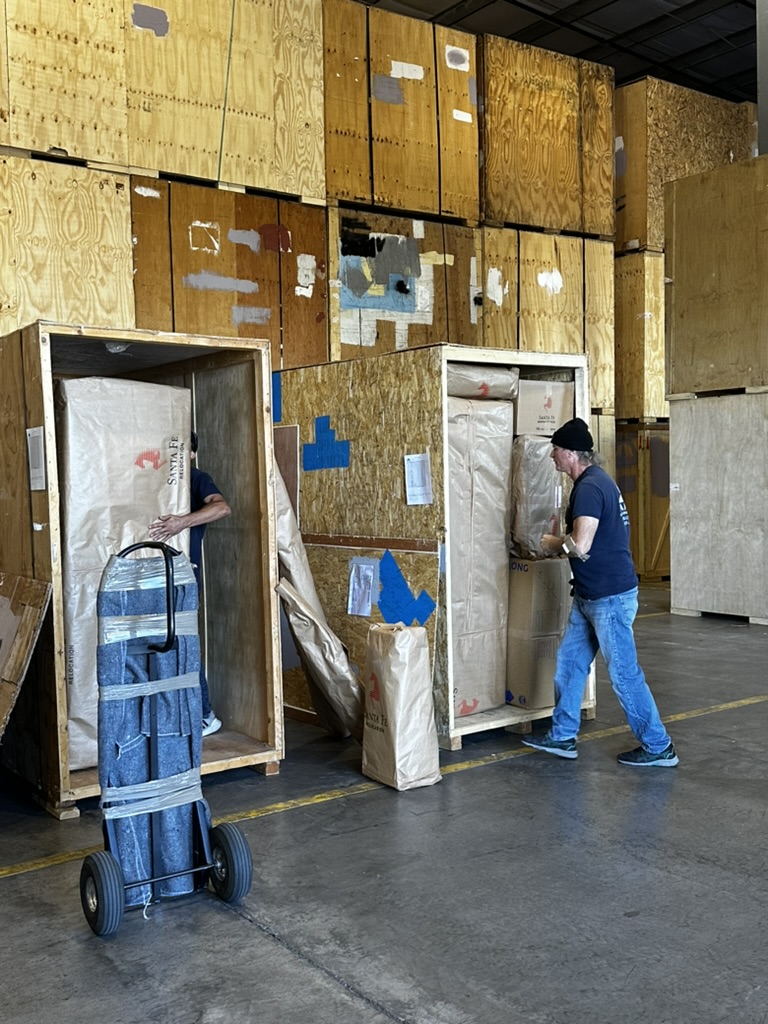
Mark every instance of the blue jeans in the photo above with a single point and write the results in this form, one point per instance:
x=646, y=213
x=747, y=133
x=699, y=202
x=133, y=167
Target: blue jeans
x=605, y=625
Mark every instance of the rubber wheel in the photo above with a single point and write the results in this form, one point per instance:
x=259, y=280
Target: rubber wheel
x=232, y=871
x=101, y=892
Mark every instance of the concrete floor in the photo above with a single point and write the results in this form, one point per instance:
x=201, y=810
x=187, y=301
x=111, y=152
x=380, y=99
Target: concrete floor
x=521, y=889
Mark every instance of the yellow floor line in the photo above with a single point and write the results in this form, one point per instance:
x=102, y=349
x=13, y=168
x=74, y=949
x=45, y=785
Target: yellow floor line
x=369, y=787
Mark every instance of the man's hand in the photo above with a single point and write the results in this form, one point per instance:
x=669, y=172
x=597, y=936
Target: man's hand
x=166, y=527
x=551, y=544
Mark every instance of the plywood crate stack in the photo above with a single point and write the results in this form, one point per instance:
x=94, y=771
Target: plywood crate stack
x=356, y=422
x=663, y=132
x=230, y=381
x=717, y=373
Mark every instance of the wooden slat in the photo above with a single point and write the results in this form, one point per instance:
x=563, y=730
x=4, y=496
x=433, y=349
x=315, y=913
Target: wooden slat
x=299, y=166
x=640, y=344
x=347, y=117
x=304, y=286
x=23, y=604
x=599, y=343
x=9, y=299
x=456, y=64
x=5, y=120
x=152, y=274
x=72, y=229
x=176, y=81
x=463, y=284
x=551, y=293
x=631, y=183
x=392, y=291
x=15, y=514
x=225, y=248
x=403, y=112
x=66, y=78
x=597, y=148
x=532, y=162
x=500, y=276
x=248, y=140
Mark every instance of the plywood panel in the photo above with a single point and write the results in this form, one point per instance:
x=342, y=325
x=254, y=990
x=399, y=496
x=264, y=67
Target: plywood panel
x=248, y=138
x=9, y=299
x=719, y=494
x=347, y=116
x=403, y=112
x=225, y=248
x=176, y=68
x=358, y=487
x=15, y=512
x=597, y=148
x=299, y=166
x=640, y=370
x=500, y=274
x=603, y=428
x=23, y=603
x=456, y=62
x=390, y=277
x=669, y=132
x=463, y=288
x=72, y=229
x=532, y=162
x=599, y=322
x=5, y=119
x=66, y=78
x=152, y=274
x=717, y=259
x=551, y=293
x=330, y=569
x=304, y=285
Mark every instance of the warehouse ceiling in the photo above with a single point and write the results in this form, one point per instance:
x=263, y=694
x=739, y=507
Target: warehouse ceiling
x=707, y=45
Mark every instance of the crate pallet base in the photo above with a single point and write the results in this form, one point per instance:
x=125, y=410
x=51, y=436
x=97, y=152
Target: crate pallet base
x=753, y=620
x=508, y=716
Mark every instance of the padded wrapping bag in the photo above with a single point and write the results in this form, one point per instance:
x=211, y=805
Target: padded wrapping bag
x=400, y=745
x=539, y=493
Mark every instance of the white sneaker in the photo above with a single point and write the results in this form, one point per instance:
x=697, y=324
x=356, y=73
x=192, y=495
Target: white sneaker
x=211, y=724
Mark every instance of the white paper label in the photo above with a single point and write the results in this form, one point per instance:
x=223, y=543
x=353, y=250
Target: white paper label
x=36, y=454
x=418, y=479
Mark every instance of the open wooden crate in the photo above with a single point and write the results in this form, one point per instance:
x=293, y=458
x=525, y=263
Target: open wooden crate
x=230, y=381
x=382, y=408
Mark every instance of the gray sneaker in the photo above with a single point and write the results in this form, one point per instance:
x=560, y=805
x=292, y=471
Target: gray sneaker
x=642, y=758
x=560, y=748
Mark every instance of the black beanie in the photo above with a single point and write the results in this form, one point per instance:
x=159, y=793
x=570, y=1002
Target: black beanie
x=573, y=435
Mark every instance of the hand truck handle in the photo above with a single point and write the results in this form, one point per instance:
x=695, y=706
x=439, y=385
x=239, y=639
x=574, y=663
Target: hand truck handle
x=168, y=553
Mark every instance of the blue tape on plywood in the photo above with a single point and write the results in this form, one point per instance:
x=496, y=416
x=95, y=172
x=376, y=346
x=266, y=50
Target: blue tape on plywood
x=396, y=600
x=277, y=397
x=326, y=452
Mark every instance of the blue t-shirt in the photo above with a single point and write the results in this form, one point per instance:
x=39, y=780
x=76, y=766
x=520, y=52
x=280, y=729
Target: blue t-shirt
x=609, y=568
x=202, y=487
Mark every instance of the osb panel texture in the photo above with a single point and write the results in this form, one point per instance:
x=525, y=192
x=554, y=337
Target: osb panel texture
x=67, y=252
x=532, y=162
x=725, y=578
x=347, y=119
x=599, y=343
x=456, y=60
x=330, y=570
x=551, y=293
x=640, y=344
x=717, y=261
x=384, y=408
x=403, y=112
x=66, y=78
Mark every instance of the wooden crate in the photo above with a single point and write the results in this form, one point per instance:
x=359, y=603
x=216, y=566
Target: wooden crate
x=551, y=293
x=457, y=111
x=602, y=426
x=717, y=297
x=640, y=336
x=212, y=261
x=599, y=323
x=356, y=420
x=231, y=384
x=718, y=511
x=547, y=139
x=665, y=132
x=642, y=473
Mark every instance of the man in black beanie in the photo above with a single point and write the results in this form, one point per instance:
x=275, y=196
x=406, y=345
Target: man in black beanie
x=604, y=608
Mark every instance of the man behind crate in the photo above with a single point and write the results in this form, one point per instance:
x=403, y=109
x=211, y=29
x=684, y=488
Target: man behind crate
x=206, y=506
x=604, y=607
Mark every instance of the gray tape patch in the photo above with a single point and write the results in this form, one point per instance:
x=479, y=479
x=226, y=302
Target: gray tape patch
x=387, y=89
x=152, y=18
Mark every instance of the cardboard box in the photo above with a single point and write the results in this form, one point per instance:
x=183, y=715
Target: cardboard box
x=542, y=406
x=539, y=598
x=531, y=671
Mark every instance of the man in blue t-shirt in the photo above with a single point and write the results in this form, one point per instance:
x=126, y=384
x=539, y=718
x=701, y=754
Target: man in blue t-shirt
x=604, y=607
x=206, y=506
